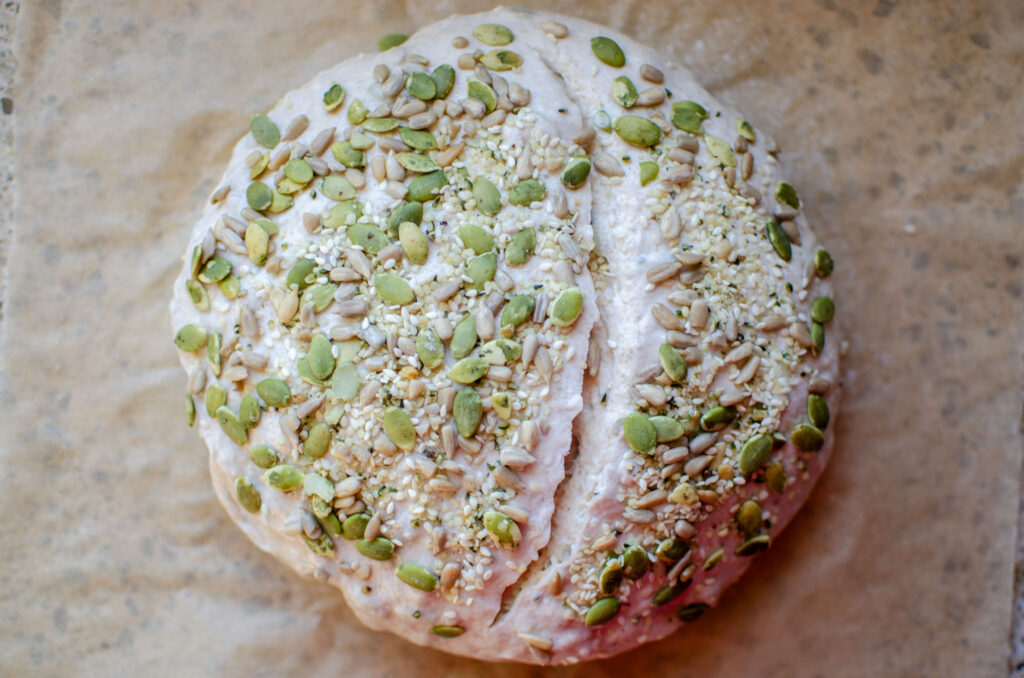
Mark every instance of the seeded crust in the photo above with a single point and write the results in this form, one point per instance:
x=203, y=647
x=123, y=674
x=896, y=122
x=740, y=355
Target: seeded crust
x=529, y=603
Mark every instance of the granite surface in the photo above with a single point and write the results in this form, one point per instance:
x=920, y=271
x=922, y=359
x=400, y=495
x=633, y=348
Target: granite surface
x=899, y=124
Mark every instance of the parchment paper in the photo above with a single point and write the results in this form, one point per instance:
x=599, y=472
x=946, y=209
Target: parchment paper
x=900, y=125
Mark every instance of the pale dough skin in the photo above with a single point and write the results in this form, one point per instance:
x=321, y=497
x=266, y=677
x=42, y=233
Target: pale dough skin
x=588, y=499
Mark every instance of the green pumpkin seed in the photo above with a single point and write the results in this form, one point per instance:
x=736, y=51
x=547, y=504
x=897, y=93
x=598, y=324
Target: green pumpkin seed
x=399, y=429
x=320, y=357
x=775, y=477
x=318, y=441
x=197, y=294
x=427, y=186
x=230, y=424
x=259, y=166
x=527, y=192
x=567, y=307
x=317, y=486
x=611, y=577
x=283, y=477
x=264, y=131
x=248, y=496
x=517, y=311
x=259, y=196
x=444, y=78
x=608, y=51
x=754, y=453
x=417, y=162
x=666, y=594
x=463, y=338
x=688, y=116
x=712, y=560
x=279, y=202
x=748, y=518
x=823, y=309
x=215, y=397
x=817, y=410
x=357, y=112
x=447, y=630
x=721, y=150
x=639, y=432
x=502, y=404
x=306, y=373
x=299, y=171
x=467, y=410
x=346, y=381
x=196, y=260
x=635, y=562
x=407, y=211
x=429, y=348
x=257, y=243
x=717, y=418
x=807, y=438
x=215, y=270
x=287, y=187
x=345, y=213
x=416, y=577
x=420, y=85
x=266, y=224
x=380, y=548
x=494, y=35
x=501, y=60
x=263, y=456
x=576, y=171
x=486, y=195
x=299, y=273
x=482, y=93
x=481, y=270
x=337, y=188
x=391, y=40
x=746, y=130
x=421, y=140
x=321, y=545
x=624, y=91
x=786, y=195
x=354, y=527
x=672, y=363
x=667, y=429
x=367, y=236
x=380, y=125
x=333, y=97
x=823, y=263
x=475, y=238
x=521, y=247
x=249, y=411
x=500, y=351
x=638, y=131
x=672, y=549
x=320, y=295
x=347, y=154
x=502, y=528
x=468, y=370
x=691, y=612
x=648, y=172
x=330, y=523
x=602, y=611
x=393, y=289
x=274, y=392
x=779, y=240
x=818, y=337
x=190, y=337
x=754, y=545
x=230, y=287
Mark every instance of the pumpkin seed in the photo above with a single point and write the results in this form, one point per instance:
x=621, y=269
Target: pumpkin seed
x=468, y=370
x=306, y=373
x=320, y=357
x=576, y=171
x=407, y=211
x=463, y=338
x=216, y=396
x=287, y=187
x=190, y=410
x=502, y=404
x=823, y=309
x=667, y=429
x=754, y=545
x=259, y=196
x=197, y=294
x=299, y=273
x=283, y=477
x=321, y=545
x=482, y=269
x=230, y=287
x=347, y=154
x=494, y=35
x=521, y=247
x=786, y=195
x=602, y=611
x=367, y=236
x=316, y=485
x=417, y=162
x=635, y=562
x=344, y=214
x=608, y=51
x=486, y=195
x=318, y=441
x=354, y=527
x=279, y=202
x=672, y=549
x=673, y=363
x=624, y=91
x=391, y=40
x=717, y=418
x=264, y=131
x=639, y=432
x=688, y=116
x=299, y=171
x=502, y=528
x=399, y=429
x=190, y=337
x=357, y=112
x=818, y=337
x=266, y=224
x=638, y=131
x=346, y=381
x=748, y=518
x=611, y=577
x=320, y=296
x=429, y=348
x=380, y=125
x=421, y=140
x=517, y=311
x=447, y=630
x=691, y=612
x=807, y=438
x=263, y=456
x=775, y=477
x=467, y=411
x=427, y=186
x=249, y=411
x=393, y=289
x=567, y=307
x=500, y=351
x=823, y=263
x=754, y=453
x=414, y=242
x=648, y=172
x=420, y=85
x=712, y=560
x=259, y=166
x=248, y=496
x=257, y=243
x=482, y=93
x=230, y=424
x=666, y=594
x=817, y=410
x=416, y=577
x=527, y=192
x=215, y=270
x=779, y=240
x=337, y=188
x=333, y=97
x=475, y=238
x=274, y=392
x=444, y=78
x=721, y=150
x=746, y=130
x=329, y=522
x=501, y=60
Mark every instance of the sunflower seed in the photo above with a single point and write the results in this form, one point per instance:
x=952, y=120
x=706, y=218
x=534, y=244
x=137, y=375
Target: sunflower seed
x=661, y=272
x=607, y=165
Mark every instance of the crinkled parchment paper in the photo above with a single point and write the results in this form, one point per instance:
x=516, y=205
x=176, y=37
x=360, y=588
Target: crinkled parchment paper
x=900, y=125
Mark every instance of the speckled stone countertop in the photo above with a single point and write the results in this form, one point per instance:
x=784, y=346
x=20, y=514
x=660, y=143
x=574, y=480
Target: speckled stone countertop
x=899, y=124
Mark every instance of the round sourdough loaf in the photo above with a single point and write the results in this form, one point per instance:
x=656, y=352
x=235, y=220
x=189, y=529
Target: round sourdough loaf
x=513, y=334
